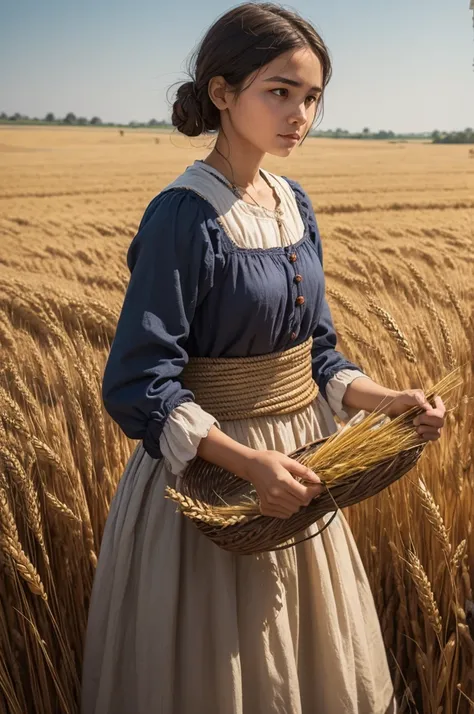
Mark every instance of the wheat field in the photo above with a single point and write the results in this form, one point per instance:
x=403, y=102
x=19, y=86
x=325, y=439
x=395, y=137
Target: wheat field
x=397, y=223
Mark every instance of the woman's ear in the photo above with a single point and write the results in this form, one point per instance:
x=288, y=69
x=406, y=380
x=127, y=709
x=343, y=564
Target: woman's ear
x=218, y=93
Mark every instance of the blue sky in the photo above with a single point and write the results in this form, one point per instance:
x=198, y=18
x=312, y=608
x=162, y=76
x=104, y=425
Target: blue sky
x=398, y=64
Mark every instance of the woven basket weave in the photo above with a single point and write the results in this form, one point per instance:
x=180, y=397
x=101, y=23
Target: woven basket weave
x=213, y=485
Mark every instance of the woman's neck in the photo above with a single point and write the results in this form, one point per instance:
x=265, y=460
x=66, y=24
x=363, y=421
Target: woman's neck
x=238, y=161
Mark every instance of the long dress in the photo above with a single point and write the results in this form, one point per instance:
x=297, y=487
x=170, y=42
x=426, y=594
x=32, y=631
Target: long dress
x=176, y=624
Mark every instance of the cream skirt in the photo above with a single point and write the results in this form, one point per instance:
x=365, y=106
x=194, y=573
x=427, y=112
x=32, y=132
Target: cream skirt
x=179, y=626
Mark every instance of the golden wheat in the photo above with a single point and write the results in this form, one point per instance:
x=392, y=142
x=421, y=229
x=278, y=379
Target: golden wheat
x=397, y=240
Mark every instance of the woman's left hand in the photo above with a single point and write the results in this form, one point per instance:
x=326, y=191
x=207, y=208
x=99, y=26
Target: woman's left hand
x=430, y=422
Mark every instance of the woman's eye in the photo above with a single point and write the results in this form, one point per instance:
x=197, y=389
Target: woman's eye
x=280, y=89
x=311, y=99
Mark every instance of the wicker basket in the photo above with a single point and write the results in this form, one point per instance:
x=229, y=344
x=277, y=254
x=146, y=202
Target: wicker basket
x=212, y=485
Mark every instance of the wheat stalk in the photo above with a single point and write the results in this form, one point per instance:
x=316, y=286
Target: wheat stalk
x=427, y=341
x=199, y=511
x=446, y=334
x=10, y=543
x=32, y=510
x=420, y=280
x=18, y=420
x=7, y=337
x=23, y=389
x=391, y=326
x=58, y=244
x=448, y=343
x=463, y=318
x=366, y=343
x=424, y=591
x=349, y=305
x=459, y=555
x=432, y=512
x=349, y=278
x=60, y=507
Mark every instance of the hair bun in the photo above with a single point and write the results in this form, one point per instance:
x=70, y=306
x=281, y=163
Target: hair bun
x=187, y=111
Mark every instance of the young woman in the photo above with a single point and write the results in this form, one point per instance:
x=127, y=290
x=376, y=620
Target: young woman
x=227, y=263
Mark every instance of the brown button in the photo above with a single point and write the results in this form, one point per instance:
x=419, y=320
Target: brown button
x=293, y=336
x=300, y=300
x=292, y=257
x=298, y=278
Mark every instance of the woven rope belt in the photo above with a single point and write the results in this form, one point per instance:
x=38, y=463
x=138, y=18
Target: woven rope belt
x=247, y=387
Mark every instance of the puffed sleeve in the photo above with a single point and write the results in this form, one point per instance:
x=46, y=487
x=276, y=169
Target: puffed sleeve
x=171, y=262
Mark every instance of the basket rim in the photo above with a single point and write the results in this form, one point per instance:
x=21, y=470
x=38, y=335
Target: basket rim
x=243, y=537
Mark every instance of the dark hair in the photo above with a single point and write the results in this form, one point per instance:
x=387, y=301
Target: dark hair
x=239, y=43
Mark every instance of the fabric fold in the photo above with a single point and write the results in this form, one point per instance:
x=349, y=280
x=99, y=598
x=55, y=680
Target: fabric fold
x=180, y=626
x=335, y=390
x=185, y=427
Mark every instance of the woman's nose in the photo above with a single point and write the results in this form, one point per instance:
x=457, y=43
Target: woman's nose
x=298, y=116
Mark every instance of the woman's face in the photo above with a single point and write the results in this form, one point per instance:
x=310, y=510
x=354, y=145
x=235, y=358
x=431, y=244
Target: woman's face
x=274, y=113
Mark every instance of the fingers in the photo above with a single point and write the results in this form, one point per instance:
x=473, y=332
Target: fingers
x=285, y=498
x=303, y=493
x=284, y=506
x=431, y=435
x=432, y=417
x=278, y=503
x=439, y=404
x=312, y=492
x=297, y=469
x=419, y=399
x=429, y=419
x=418, y=396
x=430, y=422
x=283, y=495
x=274, y=512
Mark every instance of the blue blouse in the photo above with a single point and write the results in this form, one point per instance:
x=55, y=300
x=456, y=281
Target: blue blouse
x=194, y=293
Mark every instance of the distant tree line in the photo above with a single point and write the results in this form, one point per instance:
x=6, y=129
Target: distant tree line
x=72, y=120
x=364, y=134
x=437, y=137
x=453, y=137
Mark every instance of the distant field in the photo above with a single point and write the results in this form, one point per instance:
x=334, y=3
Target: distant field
x=88, y=188
x=397, y=222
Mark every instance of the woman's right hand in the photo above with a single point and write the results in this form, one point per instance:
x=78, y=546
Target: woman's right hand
x=273, y=475
x=271, y=472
